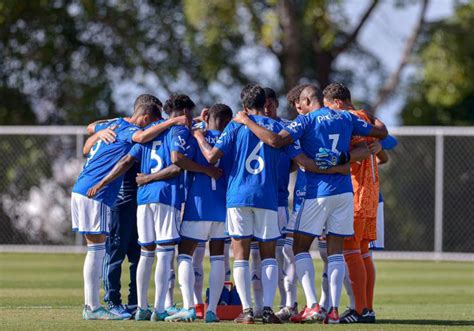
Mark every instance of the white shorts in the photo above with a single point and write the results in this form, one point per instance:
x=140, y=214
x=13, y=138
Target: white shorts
x=379, y=243
x=283, y=218
x=290, y=227
x=250, y=222
x=335, y=213
x=89, y=216
x=203, y=231
x=157, y=223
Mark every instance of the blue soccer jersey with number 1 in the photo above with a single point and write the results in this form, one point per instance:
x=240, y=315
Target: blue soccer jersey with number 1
x=155, y=156
x=206, y=200
x=253, y=179
x=102, y=158
x=332, y=130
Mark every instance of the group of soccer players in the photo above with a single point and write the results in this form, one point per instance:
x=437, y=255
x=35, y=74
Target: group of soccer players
x=150, y=184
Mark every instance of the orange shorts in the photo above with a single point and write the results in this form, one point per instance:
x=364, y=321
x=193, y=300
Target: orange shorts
x=365, y=228
x=370, y=229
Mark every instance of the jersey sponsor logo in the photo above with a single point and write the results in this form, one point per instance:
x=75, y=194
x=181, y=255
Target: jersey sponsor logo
x=329, y=117
x=221, y=137
x=211, y=140
x=301, y=193
x=293, y=126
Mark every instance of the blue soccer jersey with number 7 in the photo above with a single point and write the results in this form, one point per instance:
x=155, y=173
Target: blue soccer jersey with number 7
x=253, y=179
x=102, y=158
x=332, y=130
x=155, y=156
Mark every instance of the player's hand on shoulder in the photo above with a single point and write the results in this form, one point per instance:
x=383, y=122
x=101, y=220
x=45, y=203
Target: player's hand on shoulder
x=108, y=135
x=375, y=147
x=141, y=179
x=180, y=120
x=241, y=117
x=214, y=172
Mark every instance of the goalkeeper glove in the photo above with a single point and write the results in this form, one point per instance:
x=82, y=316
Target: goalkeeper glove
x=326, y=158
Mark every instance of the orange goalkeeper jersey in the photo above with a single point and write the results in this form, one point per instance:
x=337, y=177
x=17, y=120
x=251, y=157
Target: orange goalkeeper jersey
x=365, y=178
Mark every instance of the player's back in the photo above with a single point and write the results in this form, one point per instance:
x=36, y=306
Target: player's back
x=102, y=158
x=206, y=199
x=155, y=156
x=253, y=180
x=284, y=169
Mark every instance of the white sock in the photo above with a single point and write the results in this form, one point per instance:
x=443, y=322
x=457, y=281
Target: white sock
x=348, y=287
x=227, y=259
x=242, y=282
x=336, y=271
x=143, y=277
x=216, y=281
x=324, y=299
x=198, y=265
x=290, y=277
x=93, y=264
x=169, y=300
x=281, y=268
x=256, y=275
x=305, y=272
x=269, y=281
x=186, y=279
x=164, y=254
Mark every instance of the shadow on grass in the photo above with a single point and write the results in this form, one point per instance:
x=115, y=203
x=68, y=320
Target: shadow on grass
x=427, y=322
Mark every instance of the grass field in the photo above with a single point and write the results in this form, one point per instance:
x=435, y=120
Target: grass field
x=44, y=291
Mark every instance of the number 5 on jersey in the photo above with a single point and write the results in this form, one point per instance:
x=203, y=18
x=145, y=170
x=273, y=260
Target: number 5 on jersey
x=154, y=156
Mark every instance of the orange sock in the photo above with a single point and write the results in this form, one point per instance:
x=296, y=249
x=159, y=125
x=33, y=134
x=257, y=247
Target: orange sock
x=370, y=272
x=356, y=267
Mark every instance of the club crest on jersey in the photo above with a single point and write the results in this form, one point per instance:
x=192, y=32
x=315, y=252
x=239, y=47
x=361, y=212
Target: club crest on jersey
x=181, y=144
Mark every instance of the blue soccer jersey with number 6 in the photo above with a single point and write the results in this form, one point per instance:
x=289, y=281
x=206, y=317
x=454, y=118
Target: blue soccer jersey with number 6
x=253, y=179
x=155, y=156
x=332, y=130
x=102, y=158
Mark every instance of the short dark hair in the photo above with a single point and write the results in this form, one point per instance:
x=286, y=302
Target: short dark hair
x=178, y=102
x=220, y=111
x=147, y=99
x=313, y=92
x=294, y=94
x=337, y=91
x=253, y=97
x=270, y=94
x=151, y=109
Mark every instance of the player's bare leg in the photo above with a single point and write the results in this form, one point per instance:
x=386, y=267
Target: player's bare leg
x=147, y=257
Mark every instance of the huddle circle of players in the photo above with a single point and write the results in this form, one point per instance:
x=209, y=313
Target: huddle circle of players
x=230, y=177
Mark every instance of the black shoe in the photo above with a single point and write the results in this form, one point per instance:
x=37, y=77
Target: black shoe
x=350, y=316
x=246, y=317
x=269, y=317
x=368, y=316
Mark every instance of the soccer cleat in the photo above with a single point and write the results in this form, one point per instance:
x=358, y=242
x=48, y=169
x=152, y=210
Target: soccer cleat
x=332, y=317
x=246, y=317
x=368, y=316
x=211, y=317
x=321, y=315
x=171, y=310
x=307, y=315
x=350, y=316
x=157, y=317
x=199, y=310
x=143, y=314
x=184, y=315
x=99, y=314
x=258, y=313
x=285, y=313
x=131, y=309
x=120, y=310
x=269, y=317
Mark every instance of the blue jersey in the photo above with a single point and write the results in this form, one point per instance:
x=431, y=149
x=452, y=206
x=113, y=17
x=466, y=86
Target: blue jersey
x=253, y=179
x=332, y=130
x=300, y=190
x=155, y=156
x=206, y=200
x=102, y=158
x=284, y=169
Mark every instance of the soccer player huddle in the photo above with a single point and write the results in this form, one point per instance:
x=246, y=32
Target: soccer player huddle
x=149, y=185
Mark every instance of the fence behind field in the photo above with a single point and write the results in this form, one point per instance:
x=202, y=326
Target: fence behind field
x=428, y=187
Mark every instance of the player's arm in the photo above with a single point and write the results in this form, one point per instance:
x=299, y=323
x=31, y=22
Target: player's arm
x=359, y=152
x=118, y=170
x=211, y=154
x=309, y=165
x=144, y=136
x=166, y=173
x=107, y=136
x=382, y=157
x=91, y=128
x=183, y=162
x=270, y=138
x=379, y=130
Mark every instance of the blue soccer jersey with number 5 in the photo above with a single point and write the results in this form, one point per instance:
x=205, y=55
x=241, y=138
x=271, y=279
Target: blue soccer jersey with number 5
x=155, y=156
x=253, y=179
x=332, y=130
x=102, y=158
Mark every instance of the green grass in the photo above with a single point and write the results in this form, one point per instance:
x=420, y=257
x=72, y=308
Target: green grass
x=44, y=291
